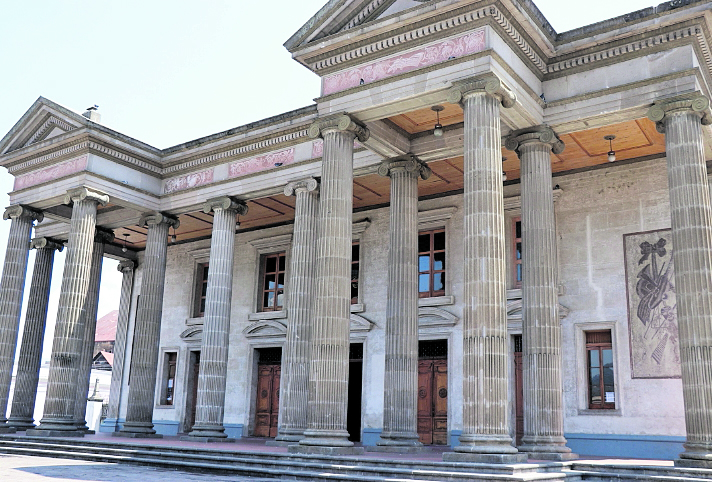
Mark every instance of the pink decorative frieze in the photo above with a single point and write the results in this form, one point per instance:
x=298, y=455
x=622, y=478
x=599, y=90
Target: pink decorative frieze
x=470, y=43
x=262, y=163
x=51, y=173
x=194, y=179
x=318, y=148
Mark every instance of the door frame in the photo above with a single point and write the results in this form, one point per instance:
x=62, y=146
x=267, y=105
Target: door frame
x=452, y=388
x=187, y=369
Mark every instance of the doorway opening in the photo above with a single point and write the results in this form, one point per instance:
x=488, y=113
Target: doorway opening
x=191, y=401
x=269, y=368
x=432, y=392
x=353, y=413
x=518, y=391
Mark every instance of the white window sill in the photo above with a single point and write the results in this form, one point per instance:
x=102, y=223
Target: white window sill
x=163, y=407
x=358, y=308
x=267, y=315
x=436, y=301
x=198, y=320
x=602, y=412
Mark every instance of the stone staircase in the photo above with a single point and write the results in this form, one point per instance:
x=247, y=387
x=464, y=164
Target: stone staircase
x=272, y=465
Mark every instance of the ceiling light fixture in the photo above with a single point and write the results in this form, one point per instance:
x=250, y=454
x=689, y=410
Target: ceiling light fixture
x=126, y=240
x=174, y=237
x=504, y=173
x=611, y=153
x=237, y=223
x=438, y=130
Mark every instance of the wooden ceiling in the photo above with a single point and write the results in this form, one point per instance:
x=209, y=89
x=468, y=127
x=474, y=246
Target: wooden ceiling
x=422, y=120
x=634, y=139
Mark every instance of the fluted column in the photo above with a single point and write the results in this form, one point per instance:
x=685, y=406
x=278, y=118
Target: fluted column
x=126, y=268
x=90, y=315
x=28, y=364
x=541, y=328
x=691, y=216
x=400, y=410
x=210, y=407
x=294, y=388
x=329, y=346
x=485, y=358
x=147, y=331
x=12, y=287
x=58, y=416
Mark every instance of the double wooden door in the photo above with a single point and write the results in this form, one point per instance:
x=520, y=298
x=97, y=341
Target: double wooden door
x=432, y=401
x=267, y=413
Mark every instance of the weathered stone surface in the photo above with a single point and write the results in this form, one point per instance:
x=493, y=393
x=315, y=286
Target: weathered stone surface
x=58, y=416
x=210, y=407
x=541, y=328
x=691, y=216
x=144, y=358
x=294, y=382
x=28, y=363
x=400, y=411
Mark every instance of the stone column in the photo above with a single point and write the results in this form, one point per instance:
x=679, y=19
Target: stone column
x=210, y=407
x=485, y=358
x=680, y=119
x=147, y=331
x=329, y=346
x=58, y=417
x=294, y=382
x=91, y=307
x=400, y=410
x=541, y=328
x=126, y=268
x=12, y=287
x=28, y=364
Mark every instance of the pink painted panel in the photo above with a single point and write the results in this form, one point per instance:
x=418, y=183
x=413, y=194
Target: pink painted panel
x=470, y=43
x=189, y=180
x=261, y=163
x=49, y=173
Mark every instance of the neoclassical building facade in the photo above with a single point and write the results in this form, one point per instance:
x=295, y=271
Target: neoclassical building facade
x=467, y=240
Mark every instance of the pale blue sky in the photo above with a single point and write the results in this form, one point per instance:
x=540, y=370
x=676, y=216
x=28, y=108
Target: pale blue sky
x=166, y=72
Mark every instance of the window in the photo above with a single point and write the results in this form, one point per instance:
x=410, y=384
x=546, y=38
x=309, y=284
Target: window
x=517, y=251
x=355, y=263
x=201, y=289
x=169, y=378
x=273, y=272
x=431, y=263
x=599, y=352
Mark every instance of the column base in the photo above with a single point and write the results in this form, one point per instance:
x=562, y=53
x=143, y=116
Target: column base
x=555, y=456
x=203, y=439
x=8, y=429
x=38, y=432
x=136, y=435
x=399, y=449
x=695, y=456
x=137, y=430
x=286, y=437
x=324, y=450
x=518, y=458
x=547, y=448
x=21, y=423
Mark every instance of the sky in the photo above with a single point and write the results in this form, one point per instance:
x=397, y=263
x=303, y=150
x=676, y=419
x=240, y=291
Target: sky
x=166, y=72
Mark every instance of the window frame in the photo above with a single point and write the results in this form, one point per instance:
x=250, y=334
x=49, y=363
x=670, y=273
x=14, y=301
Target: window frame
x=165, y=376
x=261, y=308
x=581, y=375
x=355, y=300
x=431, y=272
x=201, y=281
x=516, y=262
x=599, y=347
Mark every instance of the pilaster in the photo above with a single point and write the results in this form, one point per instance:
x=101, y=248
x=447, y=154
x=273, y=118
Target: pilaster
x=541, y=329
x=210, y=407
x=147, y=331
x=485, y=436
x=680, y=119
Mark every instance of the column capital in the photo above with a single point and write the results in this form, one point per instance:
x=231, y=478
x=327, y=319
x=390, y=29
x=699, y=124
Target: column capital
x=694, y=102
x=155, y=218
x=482, y=85
x=225, y=203
x=308, y=184
x=408, y=163
x=46, y=243
x=126, y=265
x=20, y=211
x=103, y=235
x=338, y=122
x=537, y=134
x=83, y=193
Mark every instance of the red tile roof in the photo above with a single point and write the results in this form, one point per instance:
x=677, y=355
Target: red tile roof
x=106, y=327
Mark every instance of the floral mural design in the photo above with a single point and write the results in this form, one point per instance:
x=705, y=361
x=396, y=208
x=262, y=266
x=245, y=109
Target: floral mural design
x=193, y=179
x=261, y=163
x=51, y=173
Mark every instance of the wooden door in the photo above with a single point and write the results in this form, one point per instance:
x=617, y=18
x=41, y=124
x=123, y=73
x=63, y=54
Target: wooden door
x=432, y=401
x=194, y=374
x=518, y=391
x=267, y=411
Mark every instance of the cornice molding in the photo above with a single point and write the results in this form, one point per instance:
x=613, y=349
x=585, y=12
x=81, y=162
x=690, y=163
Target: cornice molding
x=46, y=126
x=373, y=8
x=27, y=165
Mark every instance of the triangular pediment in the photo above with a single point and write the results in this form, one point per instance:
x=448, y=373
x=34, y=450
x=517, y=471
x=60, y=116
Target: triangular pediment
x=43, y=121
x=341, y=15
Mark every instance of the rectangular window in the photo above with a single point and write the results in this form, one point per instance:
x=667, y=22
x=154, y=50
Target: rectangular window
x=355, y=264
x=431, y=263
x=599, y=352
x=201, y=290
x=273, y=272
x=517, y=251
x=169, y=378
